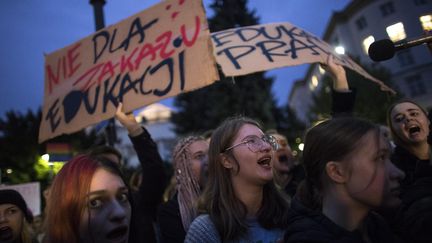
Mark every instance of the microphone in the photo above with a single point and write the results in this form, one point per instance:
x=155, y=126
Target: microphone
x=385, y=49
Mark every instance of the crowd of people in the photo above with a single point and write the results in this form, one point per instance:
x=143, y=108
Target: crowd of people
x=354, y=183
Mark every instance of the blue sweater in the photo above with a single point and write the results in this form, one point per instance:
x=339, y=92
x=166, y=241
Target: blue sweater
x=203, y=230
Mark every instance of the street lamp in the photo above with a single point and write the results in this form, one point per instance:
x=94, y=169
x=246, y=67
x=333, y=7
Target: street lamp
x=46, y=158
x=98, y=12
x=100, y=24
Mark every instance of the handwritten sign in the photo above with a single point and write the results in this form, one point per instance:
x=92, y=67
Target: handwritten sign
x=257, y=48
x=31, y=194
x=158, y=53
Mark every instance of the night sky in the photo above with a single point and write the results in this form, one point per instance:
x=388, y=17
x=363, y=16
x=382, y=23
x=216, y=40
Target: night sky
x=32, y=28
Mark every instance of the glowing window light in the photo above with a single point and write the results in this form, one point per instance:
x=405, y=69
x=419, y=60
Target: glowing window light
x=367, y=42
x=396, y=32
x=321, y=70
x=340, y=50
x=426, y=22
x=314, y=81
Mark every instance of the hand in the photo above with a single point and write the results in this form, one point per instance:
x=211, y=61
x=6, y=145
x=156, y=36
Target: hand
x=128, y=121
x=337, y=72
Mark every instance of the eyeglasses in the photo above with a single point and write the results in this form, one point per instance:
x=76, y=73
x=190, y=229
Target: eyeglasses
x=255, y=143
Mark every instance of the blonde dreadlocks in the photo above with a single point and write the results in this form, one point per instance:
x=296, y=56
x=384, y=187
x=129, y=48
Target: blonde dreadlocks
x=188, y=188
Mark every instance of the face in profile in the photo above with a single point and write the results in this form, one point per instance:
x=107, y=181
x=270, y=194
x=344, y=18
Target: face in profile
x=409, y=123
x=374, y=179
x=11, y=222
x=107, y=215
x=253, y=154
x=199, y=160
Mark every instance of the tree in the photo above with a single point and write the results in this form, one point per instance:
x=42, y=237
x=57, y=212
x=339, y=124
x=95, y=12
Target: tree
x=248, y=95
x=371, y=103
x=20, y=151
x=18, y=142
x=290, y=126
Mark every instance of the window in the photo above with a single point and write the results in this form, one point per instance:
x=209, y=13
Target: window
x=335, y=41
x=405, y=58
x=340, y=50
x=361, y=23
x=314, y=82
x=367, y=42
x=420, y=2
x=387, y=9
x=321, y=70
x=426, y=21
x=415, y=85
x=396, y=32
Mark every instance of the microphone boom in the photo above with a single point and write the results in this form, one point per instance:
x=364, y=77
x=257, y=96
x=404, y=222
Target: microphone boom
x=385, y=49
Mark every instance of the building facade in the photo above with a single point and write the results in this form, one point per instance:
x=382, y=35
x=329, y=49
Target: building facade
x=361, y=23
x=156, y=119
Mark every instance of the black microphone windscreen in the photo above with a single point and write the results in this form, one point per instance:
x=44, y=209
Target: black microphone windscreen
x=381, y=50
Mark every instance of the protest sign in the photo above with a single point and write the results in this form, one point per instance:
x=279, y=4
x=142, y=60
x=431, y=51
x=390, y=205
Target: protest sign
x=158, y=53
x=250, y=49
x=31, y=194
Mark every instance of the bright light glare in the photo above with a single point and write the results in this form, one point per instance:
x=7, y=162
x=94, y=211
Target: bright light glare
x=45, y=157
x=396, y=32
x=314, y=81
x=340, y=50
x=301, y=146
x=367, y=42
x=426, y=21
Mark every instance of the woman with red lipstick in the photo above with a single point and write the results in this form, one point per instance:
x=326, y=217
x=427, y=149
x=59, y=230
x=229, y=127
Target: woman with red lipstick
x=348, y=174
x=241, y=202
x=89, y=203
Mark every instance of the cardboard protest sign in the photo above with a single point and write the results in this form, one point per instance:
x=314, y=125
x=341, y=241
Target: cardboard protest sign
x=250, y=49
x=31, y=194
x=158, y=53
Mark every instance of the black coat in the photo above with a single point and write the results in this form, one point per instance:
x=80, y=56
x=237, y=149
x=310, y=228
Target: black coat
x=343, y=103
x=150, y=192
x=170, y=223
x=413, y=221
x=307, y=226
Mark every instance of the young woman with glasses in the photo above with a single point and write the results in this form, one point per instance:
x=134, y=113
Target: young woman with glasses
x=240, y=202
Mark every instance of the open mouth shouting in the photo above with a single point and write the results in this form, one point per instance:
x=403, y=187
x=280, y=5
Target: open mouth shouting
x=414, y=130
x=6, y=234
x=265, y=161
x=119, y=234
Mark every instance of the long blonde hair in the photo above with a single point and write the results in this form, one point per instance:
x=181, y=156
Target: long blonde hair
x=26, y=235
x=188, y=188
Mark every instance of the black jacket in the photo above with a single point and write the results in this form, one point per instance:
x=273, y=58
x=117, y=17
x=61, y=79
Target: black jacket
x=413, y=167
x=307, y=226
x=413, y=221
x=170, y=223
x=150, y=192
x=343, y=103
